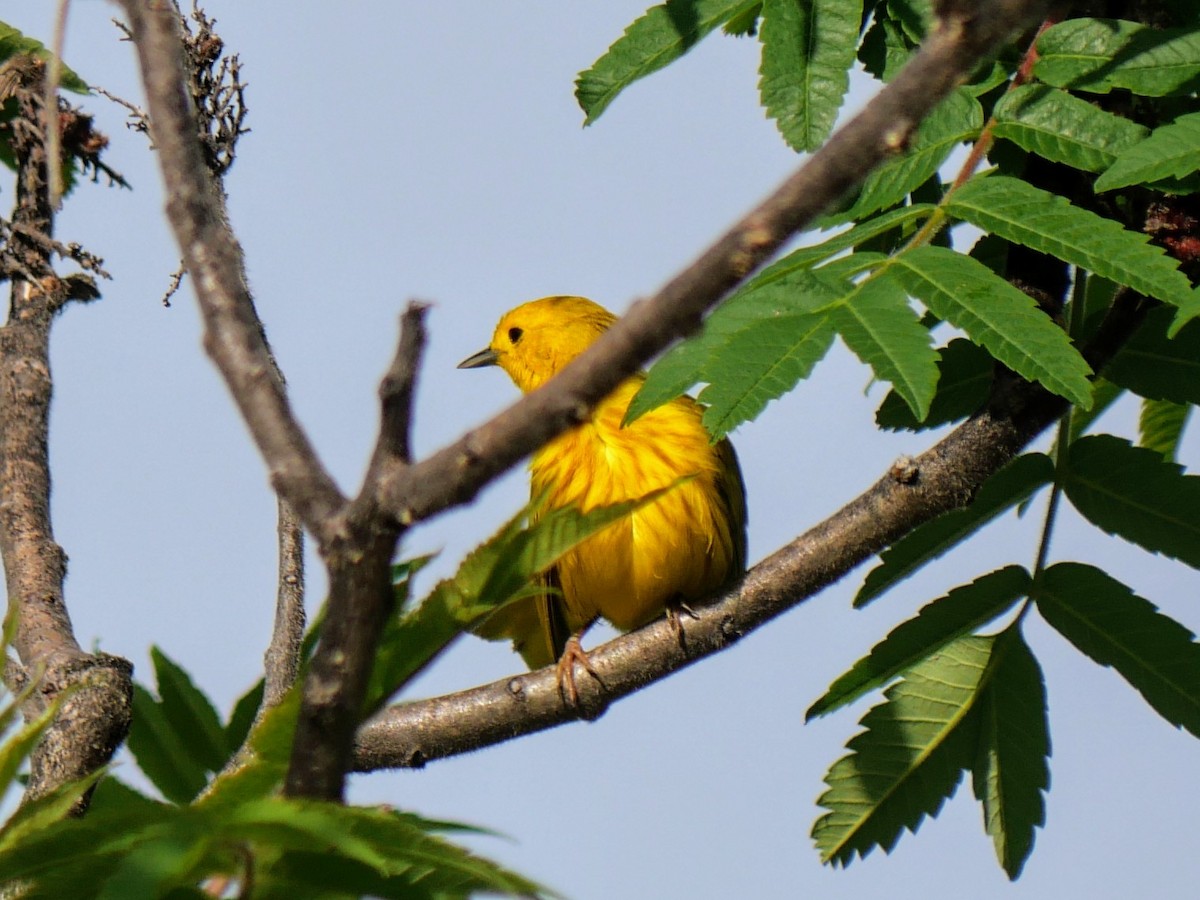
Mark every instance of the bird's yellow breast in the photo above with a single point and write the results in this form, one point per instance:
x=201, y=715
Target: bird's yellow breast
x=682, y=546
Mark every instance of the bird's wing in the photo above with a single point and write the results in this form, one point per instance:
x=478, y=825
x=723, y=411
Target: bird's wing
x=536, y=625
x=732, y=490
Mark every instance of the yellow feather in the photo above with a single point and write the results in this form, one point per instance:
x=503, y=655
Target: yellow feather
x=683, y=546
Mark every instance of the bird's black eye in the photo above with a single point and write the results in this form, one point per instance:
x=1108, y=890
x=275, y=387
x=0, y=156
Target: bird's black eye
x=514, y=334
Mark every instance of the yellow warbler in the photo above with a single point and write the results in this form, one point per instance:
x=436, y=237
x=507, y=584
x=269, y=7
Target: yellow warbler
x=682, y=546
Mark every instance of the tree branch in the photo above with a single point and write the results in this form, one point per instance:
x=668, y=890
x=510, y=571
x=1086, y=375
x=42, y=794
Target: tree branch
x=233, y=333
x=360, y=594
x=955, y=48
x=95, y=716
x=282, y=659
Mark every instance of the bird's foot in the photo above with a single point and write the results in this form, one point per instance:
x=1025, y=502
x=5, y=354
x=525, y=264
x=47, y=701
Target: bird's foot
x=573, y=653
x=675, y=614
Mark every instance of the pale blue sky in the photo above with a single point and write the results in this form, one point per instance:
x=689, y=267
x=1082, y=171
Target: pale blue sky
x=435, y=151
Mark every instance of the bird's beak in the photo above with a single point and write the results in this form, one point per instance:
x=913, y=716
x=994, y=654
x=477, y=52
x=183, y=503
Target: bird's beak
x=486, y=357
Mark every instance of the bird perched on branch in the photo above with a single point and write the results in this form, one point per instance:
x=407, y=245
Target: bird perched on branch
x=682, y=546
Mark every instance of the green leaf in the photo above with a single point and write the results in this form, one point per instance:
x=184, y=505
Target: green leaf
x=13, y=43
x=190, y=713
x=38, y=814
x=761, y=362
x=957, y=119
x=1010, y=773
x=658, y=38
x=997, y=316
x=1098, y=55
x=1171, y=151
x=242, y=716
x=160, y=753
x=962, y=611
x=745, y=23
x=1004, y=490
x=965, y=374
x=910, y=757
x=1046, y=222
x=499, y=571
x=1157, y=367
x=401, y=853
x=156, y=864
x=786, y=286
x=1137, y=495
x=1161, y=425
x=808, y=48
x=18, y=747
x=1104, y=395
x=261, y=766
x=1109, y=623
x=1063, y=128
x=882, y=330
x=884, y=49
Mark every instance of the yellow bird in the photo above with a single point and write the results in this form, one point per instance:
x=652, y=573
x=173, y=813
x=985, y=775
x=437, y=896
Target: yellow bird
x=683, y=546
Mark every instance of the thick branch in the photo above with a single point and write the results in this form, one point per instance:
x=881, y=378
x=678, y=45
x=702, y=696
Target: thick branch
x=456, y=473
x=211, y=253
x=360, y=595
x=94, y=719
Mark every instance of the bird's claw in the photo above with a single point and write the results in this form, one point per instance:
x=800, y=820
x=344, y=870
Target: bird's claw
x=573, y=653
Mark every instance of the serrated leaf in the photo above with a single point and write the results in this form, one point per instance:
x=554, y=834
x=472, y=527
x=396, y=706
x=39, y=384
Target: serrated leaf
x=884, y=49
x=965, y=375
x=1010, y=772
x=914, y=16
x=1160, y=426
x=808, y=48
x=1098, y=55
x=1157, y=367
x=402, y=852
x=13, y=43
x=499, y=571
x=160, y=753
x=37, y=814
x=910, y=757
x=996, y=315
x=1046, y=222
x=190, y=713
x=744, y=24
x=957, y=119
x=1063, y=128
x=261, y=766
x=1135, y=494
x=662, y=35
x=1112, y=625
x=960, y=612
x=881, y=329
x=242, y=716
x=154, y=865
x=18, y=747
x=786, y=286
x=761, y=362
x=1171, y=151
x=1004, y=490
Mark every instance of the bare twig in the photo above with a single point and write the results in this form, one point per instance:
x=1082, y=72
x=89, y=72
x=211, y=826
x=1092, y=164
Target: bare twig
x=211, y=253
x=282, y=659
x=396, y=393
x=173, y=285
x=955, y=48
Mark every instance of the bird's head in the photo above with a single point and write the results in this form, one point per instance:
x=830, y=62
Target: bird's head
x=534, y=341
